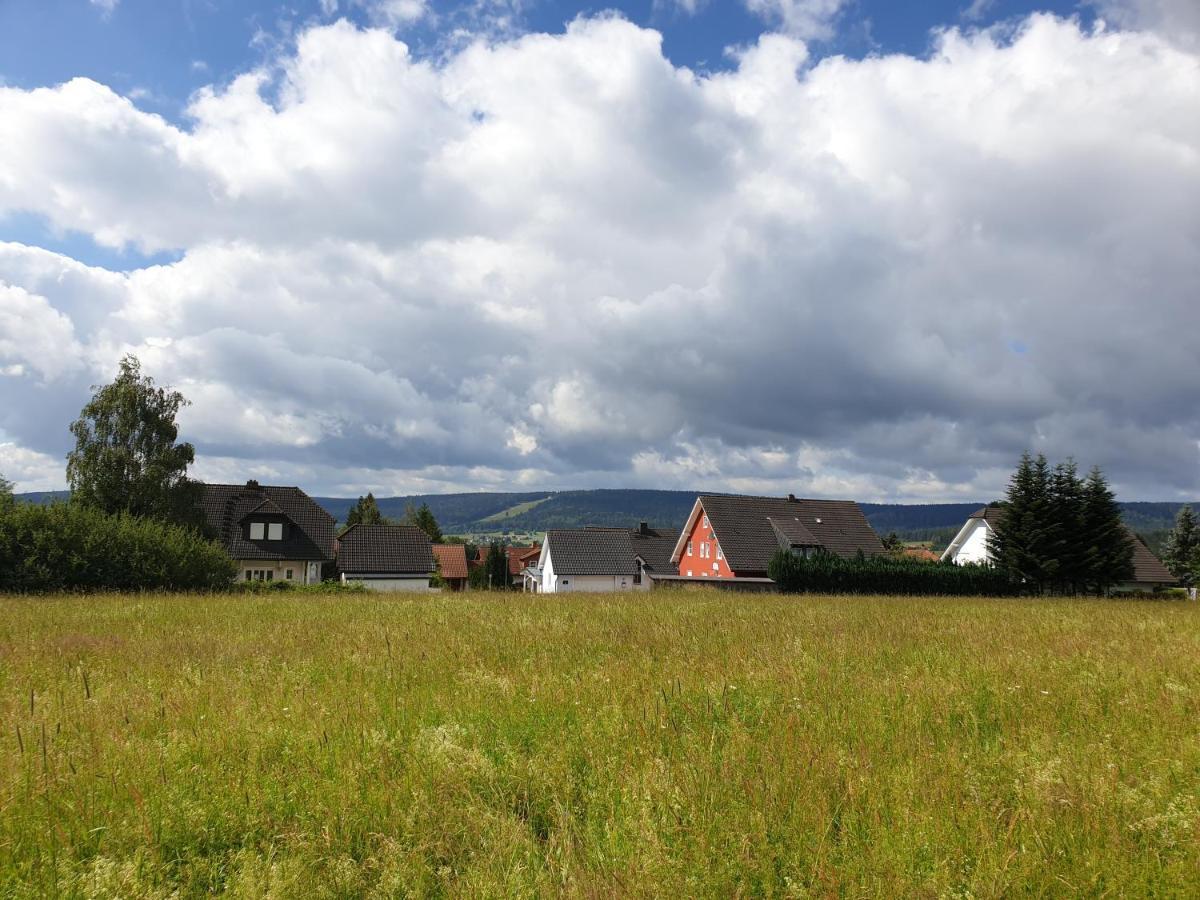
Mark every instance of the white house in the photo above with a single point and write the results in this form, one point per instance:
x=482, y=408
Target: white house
x=970, y=545
x=600, y=560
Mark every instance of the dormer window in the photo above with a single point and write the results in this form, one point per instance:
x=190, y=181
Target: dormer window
x=266, y=531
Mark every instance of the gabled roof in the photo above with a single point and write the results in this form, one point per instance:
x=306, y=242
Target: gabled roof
x=747, y=528
x=654, y=548
x=519, y=557
x=385, y=550
x=1146, y=566
x=591, y=551
x=227, y=506
x=451, y=560
x=792, y=532
x=992, y=513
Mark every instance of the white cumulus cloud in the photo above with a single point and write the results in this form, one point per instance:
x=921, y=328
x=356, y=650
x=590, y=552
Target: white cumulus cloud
x=561, y=260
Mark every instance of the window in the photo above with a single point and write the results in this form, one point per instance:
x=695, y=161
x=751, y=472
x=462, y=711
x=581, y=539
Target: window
x=720, y=552
x=249, y=574
x=257, y=531
x=689, y=548
x=275, y=531
x=260, y=574
x=705, y=522
x=288, y=574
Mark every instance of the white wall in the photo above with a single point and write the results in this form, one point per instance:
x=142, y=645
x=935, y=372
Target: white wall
x=303, y=572
x=410, y=585
x=553, y=583
x=974, y=548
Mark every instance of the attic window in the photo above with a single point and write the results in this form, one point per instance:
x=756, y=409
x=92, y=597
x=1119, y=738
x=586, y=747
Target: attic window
x=275, y=531
x=257, y=531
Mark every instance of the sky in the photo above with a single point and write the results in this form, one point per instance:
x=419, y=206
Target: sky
x=836, y=248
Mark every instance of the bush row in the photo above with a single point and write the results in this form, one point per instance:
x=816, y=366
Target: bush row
x=67, y=547
x=291, y=587
x=828, y=574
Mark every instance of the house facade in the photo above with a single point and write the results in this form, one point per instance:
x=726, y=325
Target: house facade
x=971, y=545
x=386, y=557
x=273, y=533
x=734, y=537
x=599, y=560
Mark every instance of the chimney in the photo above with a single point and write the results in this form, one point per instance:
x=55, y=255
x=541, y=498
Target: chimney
x=643, y=528
x=791, y=498
x=253, y=485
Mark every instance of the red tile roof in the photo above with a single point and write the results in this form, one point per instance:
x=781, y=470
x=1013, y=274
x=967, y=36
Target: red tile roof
x=451, y=560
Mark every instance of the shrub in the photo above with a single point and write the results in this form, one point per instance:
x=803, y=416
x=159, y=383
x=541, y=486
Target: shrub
x=292, y=587
x=829, y=574
x=69, y=547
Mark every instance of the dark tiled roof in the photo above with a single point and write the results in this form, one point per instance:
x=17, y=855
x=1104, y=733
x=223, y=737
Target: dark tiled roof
x=226, y=506
x=990, y=513
x=655, y=548
x=610, y=551
x=746, y=527
x=451, y=560
x=591, y=551
x=792, y=532
x=1146, y=566
x=385, y=550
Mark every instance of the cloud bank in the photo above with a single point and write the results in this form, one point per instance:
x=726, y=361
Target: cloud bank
x=556, y=261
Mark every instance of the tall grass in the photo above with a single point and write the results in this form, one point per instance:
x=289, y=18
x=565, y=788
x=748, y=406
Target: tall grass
x=677, y=745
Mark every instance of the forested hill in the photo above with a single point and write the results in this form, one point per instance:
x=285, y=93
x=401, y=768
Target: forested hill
x=540, y=510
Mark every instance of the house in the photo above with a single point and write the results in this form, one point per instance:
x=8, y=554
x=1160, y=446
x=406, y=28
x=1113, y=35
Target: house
x=970, y=545
x=452, y=565
x=386, y=557
x=599, y=559
x=519, y=559
x=734, y=537
x=273, y=533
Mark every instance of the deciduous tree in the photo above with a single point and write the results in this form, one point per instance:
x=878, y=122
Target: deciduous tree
x=126, y=457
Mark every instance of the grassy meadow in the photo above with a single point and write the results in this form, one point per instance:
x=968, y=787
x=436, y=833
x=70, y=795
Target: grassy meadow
x=675, y=744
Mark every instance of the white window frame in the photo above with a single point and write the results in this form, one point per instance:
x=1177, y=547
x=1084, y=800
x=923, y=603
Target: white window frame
x=274, y=531
x=258, y=531
x=704, y=523
x=720, y=552
x=689, y=548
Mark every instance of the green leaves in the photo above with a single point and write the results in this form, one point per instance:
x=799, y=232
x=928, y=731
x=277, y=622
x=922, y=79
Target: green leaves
x=126, y=459
x=829, y=574
x=68, y=547
x=1181, y=553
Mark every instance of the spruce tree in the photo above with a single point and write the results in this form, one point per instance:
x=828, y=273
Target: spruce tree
x=423, y=518
x=1066, y=541
x=1108, y=544
x=1181, y=551
x=365, y=511
x=1018, y=542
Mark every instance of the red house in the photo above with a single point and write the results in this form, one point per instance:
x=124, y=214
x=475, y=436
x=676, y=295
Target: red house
x=729, y=536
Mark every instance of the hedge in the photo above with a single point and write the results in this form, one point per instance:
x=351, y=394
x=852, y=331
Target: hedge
x=67, y=547
x=828, y=574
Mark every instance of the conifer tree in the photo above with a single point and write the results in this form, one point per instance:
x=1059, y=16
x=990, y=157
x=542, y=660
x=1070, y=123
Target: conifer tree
x=424, y=519
x=1181, y=552
x=1108, y=553
x=365, y=511
x=1066, y=541
x=1018, y=542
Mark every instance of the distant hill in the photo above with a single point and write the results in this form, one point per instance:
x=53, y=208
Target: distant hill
x=44, y=497
x=542, y=510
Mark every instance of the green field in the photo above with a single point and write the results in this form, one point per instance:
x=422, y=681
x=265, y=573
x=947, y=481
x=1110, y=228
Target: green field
x=676, y=745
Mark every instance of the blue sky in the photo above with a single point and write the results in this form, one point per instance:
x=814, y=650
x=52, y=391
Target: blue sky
x=837, y=248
